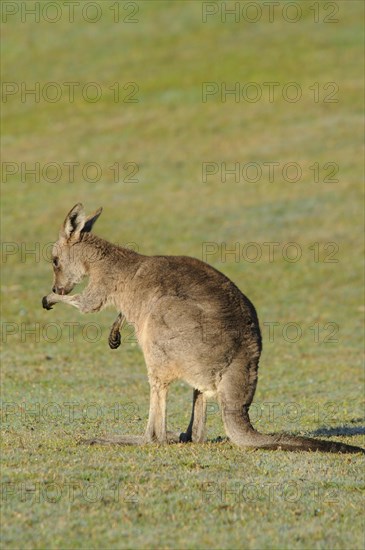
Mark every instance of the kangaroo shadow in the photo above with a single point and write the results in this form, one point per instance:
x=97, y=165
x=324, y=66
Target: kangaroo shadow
x=177, y=437
x=340, y=430
x=320, y=432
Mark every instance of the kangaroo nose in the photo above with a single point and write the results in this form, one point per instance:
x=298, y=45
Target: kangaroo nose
x=54, y=289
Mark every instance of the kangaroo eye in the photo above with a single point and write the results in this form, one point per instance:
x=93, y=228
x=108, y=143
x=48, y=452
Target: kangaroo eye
x=55, y=262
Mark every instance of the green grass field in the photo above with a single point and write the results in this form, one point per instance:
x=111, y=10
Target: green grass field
x=60, y=380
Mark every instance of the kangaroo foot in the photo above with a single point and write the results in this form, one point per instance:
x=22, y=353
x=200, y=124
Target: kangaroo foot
x=114, y=339
x=185, y=438
x=118, y=440
x=127, y=440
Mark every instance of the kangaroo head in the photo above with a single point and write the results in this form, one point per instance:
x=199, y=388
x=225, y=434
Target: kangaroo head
x=69, y=256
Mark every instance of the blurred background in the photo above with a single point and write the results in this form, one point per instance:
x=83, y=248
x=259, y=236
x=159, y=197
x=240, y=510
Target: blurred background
x=231, y=132
x=128, y=107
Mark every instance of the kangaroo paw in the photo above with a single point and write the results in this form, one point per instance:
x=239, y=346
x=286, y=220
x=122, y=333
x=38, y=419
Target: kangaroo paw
x=114, y=339
x=45, y=303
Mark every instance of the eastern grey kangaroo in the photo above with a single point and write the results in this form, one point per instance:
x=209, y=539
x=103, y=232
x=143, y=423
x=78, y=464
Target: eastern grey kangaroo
x=191, y=322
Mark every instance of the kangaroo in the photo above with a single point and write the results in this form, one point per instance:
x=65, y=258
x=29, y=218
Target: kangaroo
x=191, y=322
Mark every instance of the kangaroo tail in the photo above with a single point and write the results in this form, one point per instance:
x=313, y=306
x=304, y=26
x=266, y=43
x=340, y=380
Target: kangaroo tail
x=241, y=432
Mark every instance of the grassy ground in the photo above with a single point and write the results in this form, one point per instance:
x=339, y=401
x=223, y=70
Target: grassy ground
x=58, y=387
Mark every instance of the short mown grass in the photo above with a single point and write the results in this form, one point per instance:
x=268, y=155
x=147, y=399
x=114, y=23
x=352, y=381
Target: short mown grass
x=62, y=383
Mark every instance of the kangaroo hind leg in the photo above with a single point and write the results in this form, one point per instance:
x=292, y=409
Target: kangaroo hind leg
x=196, y=429
x=156, y=425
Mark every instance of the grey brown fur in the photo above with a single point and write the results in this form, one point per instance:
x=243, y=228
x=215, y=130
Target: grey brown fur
x=191, y=322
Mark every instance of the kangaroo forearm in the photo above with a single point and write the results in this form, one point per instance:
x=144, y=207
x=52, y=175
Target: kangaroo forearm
x=85, y=303
x=118, y=323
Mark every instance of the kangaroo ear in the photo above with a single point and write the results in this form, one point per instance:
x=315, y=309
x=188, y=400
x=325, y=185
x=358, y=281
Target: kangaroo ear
x=90, y=220
x=74, y=222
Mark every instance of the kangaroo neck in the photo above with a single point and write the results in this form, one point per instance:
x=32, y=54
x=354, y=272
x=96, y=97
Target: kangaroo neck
x=111, y=269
